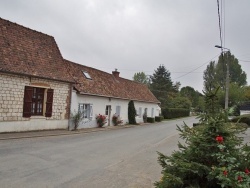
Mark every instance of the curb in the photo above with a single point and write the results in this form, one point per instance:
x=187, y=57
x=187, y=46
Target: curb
x=12, y=137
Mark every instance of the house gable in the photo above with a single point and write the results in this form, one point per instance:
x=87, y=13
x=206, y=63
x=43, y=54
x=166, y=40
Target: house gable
x=27, y=52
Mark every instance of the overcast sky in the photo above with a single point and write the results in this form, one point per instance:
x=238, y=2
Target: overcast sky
x=139, y=35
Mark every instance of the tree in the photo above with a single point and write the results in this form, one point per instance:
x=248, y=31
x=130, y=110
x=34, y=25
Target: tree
x=181, y=102
x=131, y=113
x=237, y=75
x=213, y=155
x=162, y=85
x=191, y=94
x=141, y=77
x=209, y=76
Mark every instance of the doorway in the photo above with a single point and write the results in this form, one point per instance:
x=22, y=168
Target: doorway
x=108, y=113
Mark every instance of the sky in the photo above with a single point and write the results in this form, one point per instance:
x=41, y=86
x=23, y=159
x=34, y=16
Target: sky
x=140, y=35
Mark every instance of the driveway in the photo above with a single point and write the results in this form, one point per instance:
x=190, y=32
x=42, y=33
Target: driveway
x=117, y=158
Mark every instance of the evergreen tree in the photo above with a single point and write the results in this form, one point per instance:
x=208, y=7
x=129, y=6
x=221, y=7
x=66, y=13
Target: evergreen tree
x=162, y=85
x=213, y=154
x=131, y=113
x=209, y=76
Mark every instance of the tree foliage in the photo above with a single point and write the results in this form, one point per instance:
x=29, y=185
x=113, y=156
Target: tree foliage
x=213, y=155
x=131, y=113
x=141, y=77
x=162, y=85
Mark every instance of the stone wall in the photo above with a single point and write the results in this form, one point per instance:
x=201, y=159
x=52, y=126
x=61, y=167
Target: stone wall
x=12, y=94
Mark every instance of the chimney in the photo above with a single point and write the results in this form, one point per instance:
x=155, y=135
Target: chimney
x=116, y=73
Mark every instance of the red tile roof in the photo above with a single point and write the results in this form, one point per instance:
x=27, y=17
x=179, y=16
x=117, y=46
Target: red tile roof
x=105, y=84
x=28, y=52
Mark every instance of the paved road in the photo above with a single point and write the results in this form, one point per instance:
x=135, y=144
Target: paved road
x=117, y=158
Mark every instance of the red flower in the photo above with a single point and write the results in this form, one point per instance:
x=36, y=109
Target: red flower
x=219, y=139
x=247, y=171
x=240, y=179
x=225, y=173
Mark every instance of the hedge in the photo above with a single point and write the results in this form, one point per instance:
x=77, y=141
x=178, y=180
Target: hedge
x=150, y=120
x=242, y=119
x=159, y=118
x=170, y=113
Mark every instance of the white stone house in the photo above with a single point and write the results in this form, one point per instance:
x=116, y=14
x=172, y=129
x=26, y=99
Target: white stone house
x=97, y=92
x=35, y=84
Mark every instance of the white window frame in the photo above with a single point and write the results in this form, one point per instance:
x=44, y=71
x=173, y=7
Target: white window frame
x=152, y=112
x=140, y=112
x=118, y=110
x=87, y=110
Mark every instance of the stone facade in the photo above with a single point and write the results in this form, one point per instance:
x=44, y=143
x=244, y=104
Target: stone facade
x=12, y=96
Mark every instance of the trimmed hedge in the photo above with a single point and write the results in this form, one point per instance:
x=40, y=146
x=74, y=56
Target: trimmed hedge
x=150, y=120
x=242, y=119
x=170, y=113
x=159, y=118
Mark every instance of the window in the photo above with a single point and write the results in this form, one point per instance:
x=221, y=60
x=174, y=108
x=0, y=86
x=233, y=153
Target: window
x=37, y=101
x=140, y=112
x=152, y=112
x=118, y=110
x=86, y=74
x=34, y=101
x=87, y=110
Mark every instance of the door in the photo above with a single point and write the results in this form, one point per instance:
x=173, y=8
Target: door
x=108, y=113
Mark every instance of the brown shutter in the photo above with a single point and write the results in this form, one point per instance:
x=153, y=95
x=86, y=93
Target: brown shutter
x=49, y=103
x=27, y=101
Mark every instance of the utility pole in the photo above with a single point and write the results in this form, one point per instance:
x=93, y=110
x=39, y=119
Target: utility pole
x=227, y=78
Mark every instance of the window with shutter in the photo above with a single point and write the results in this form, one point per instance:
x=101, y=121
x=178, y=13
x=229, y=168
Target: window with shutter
x=27, y=102
x=49, y=103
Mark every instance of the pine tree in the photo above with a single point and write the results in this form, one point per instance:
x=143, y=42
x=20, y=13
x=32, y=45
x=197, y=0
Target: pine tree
x=213, y=154
x=162, y=85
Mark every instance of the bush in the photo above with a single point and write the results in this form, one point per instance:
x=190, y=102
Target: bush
x=159, y=118
x=150, y=119
x=242, y=119
x=170, y=113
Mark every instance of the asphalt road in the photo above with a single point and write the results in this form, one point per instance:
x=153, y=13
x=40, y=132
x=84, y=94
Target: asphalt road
x=116, y=158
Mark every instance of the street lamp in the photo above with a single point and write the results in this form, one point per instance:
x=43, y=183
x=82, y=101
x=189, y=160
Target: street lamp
x=227, y=77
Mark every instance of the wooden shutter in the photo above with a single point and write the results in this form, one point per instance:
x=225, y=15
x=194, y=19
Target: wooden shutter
x=27, y=101
x=49, y=103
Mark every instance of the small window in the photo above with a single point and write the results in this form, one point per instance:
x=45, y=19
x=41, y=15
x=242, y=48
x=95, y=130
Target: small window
x=87, y=110
x=118, y=110
x=86, y=74
x=152, y=112
x=139, y=112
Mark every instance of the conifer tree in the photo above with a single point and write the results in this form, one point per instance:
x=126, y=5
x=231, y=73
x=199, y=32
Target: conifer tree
x=131, y=113
x=213, y=154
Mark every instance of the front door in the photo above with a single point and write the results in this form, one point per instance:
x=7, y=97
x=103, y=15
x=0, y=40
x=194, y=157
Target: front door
x=108, y=113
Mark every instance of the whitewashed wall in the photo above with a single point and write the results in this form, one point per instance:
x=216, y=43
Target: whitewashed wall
x=99, y=106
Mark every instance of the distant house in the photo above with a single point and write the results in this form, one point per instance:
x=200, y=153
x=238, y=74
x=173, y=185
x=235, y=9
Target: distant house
x=97, y=92
x=35, y=84
x=245, y=108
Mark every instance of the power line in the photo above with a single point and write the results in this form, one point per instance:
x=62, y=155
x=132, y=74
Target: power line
x=197, y=67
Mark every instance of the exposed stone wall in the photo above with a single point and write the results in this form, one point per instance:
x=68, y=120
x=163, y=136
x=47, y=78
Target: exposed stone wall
x=12, y=94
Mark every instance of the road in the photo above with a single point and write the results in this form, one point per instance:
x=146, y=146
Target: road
x=116, y=158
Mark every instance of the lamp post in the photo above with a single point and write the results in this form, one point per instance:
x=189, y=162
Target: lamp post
x=227, y=78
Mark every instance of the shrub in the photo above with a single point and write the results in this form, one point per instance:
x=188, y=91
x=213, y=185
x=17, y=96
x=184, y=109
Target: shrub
x=131, y=113
x=159, y=118
x=150, y=119
x=116, y=120
x=101, y=120
x=242, y=119
x=170, y=113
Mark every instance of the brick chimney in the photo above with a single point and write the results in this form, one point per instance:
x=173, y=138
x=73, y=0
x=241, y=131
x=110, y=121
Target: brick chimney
x=116, y=73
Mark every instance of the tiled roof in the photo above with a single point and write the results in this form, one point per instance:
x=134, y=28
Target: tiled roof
x=28, y=52
x=105, y=84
